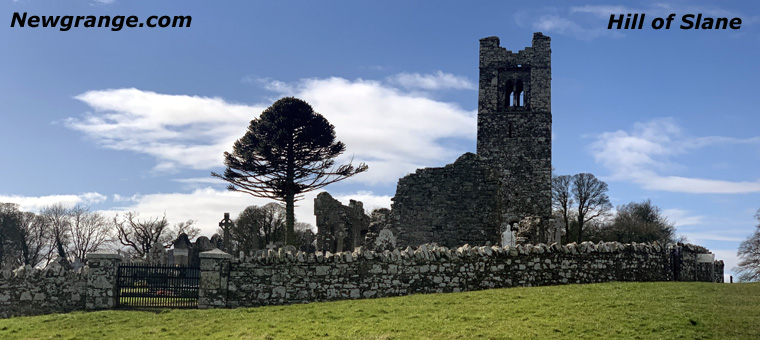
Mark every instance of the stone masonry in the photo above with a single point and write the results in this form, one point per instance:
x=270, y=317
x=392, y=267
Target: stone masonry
x=55, y=289
x=339, y=227
x=453, y=205
x=282, y=277
x=514, y=126
x=477, y=198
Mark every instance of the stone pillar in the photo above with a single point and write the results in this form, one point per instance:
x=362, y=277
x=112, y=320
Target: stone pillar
x=215, y=271
x=102, y=274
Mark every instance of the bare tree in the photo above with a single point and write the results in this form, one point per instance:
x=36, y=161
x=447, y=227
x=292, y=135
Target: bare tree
x=748, y=268
x=138, y=236
x=56, y=218
x=591, y=196
x=562, y=200
x=89, y=231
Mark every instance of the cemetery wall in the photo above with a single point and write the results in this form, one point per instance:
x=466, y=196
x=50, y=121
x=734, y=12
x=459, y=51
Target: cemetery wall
x=279, y=277
x=29, y=291
x=55, y=289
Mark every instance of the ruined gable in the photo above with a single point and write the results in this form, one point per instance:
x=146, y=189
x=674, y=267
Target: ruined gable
x=453, y=205
x=339, y=227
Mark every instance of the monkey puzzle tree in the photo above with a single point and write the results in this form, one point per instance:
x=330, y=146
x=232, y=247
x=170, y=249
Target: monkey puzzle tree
x=288, y=151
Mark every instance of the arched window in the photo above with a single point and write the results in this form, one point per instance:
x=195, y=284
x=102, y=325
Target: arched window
x=519, y=93
x=509, y=89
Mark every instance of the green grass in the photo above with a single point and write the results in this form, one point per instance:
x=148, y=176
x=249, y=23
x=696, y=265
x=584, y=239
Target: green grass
x=664, y=310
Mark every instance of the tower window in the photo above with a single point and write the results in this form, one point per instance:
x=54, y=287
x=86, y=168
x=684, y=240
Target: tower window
x=518, y=93
x=510, y=87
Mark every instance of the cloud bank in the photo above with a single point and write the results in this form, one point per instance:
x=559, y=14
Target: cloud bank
x=393, y=131
x=645, y=155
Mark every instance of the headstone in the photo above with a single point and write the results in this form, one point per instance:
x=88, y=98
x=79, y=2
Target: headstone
x=157, y=254
x=181, y=250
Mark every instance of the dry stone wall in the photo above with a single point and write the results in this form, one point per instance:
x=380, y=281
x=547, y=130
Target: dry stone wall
x=29, y=291
x=55, y=289
x=279, y=277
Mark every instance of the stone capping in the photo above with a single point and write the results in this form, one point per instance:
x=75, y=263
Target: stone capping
x=433, y=252
x=215, y=254
x=102, y=255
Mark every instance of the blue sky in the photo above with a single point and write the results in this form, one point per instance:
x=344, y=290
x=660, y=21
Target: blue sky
x=137, y=119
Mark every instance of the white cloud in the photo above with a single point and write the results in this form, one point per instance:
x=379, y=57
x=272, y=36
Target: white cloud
x=437, y=81
x=644, y=154
x=583, y=23
x=178, y=130
x=682, y=217
x=394, y=132
x=36, y=203
x=590, y=22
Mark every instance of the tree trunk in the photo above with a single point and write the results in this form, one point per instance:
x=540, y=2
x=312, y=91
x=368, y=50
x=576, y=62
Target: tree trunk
x=290, y=219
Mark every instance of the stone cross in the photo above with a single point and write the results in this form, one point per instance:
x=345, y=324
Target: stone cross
x=271, y=245
x=225, y=224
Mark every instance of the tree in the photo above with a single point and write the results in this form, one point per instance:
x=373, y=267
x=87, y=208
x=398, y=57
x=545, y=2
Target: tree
x=562, y=201
x=33, y=239
x=56, y=218
x=257, y=226
x=88, y=231
x=748, y=268
x=288, y=151
x=140, y=235
x=639, y=222
x=10, y=219
x=590, y=195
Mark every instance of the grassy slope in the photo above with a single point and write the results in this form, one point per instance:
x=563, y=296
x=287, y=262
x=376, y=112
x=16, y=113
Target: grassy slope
x=665, y=310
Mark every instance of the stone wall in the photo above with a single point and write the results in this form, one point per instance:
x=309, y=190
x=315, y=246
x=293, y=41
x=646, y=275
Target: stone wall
x=30, y=291
x=279, y=277
x=453, y=205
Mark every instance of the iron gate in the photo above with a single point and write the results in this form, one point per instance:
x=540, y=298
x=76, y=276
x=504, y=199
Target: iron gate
x=149, y=286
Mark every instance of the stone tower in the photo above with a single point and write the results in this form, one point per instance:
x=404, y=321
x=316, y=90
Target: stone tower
x=514, y=127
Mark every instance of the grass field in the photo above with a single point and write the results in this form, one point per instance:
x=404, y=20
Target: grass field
x=663, y=310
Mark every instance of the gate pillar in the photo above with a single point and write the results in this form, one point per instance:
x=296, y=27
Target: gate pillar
x=102, y=268
x=215, y=271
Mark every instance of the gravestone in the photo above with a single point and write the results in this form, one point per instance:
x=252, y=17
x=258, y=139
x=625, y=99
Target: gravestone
x=157, y=255
x=182, y=250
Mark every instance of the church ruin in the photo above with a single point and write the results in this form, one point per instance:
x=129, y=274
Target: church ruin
x=502, y=193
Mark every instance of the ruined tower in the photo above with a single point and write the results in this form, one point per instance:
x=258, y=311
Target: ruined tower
x=514, y=126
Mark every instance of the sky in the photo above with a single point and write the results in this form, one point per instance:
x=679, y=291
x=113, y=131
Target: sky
x=136, y=119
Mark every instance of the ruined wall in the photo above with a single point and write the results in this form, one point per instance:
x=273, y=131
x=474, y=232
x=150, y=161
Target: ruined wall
x=29, y=291
x=273, y=278
x=339, y=227
x=515, y=137
x=451, y=206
